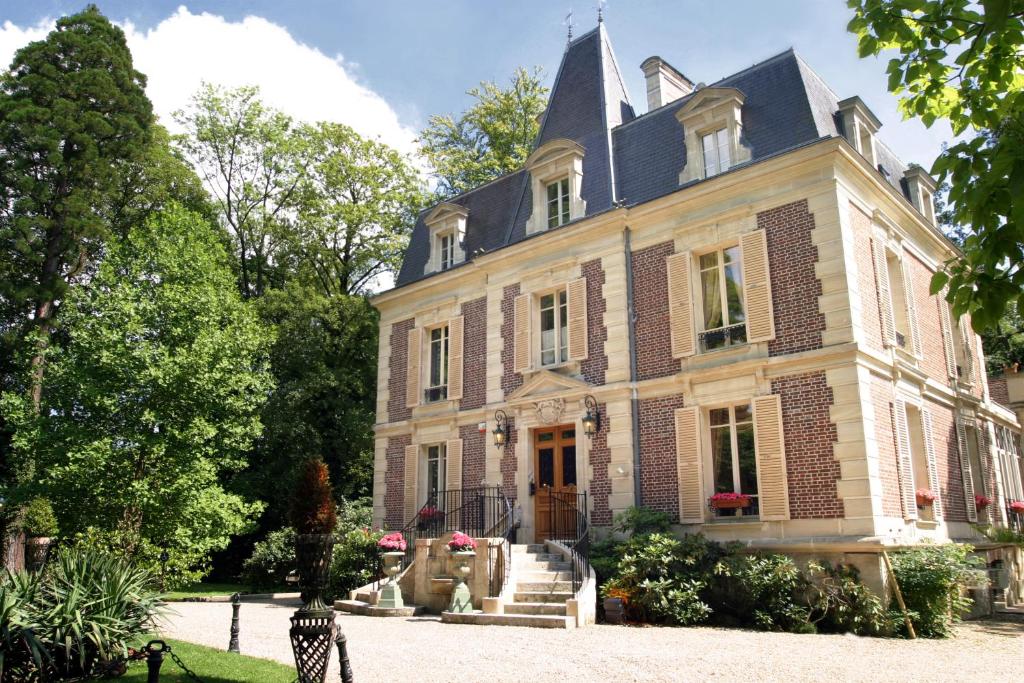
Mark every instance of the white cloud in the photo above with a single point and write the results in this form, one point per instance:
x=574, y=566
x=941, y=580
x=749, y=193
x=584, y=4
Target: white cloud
x=185, y=49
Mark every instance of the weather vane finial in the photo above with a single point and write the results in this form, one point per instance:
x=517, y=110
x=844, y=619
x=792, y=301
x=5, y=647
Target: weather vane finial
x=568, y=22
x=600, y=11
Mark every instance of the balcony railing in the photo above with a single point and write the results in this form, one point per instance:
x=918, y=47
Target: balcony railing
x=722, y=337
x=435, y=394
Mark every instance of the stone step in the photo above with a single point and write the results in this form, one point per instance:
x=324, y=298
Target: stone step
x=537, y=557
x=533, y=620
x=543, y=565
x=535, y=608
x=528, y=548
x=531, y=575
x=542, y=596
x=368, y=610
x=544, y=586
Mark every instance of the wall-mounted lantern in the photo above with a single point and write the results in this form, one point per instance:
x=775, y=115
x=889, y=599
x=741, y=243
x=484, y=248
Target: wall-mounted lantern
x=501, y=430
x=592, y=420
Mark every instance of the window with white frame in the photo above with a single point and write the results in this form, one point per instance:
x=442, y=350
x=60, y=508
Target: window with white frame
x=554, y=328
x=721, y=284
x=436, y=471
x=1009, y=463
x=558, y=203
x=717, y=156
x=897, y=292
x=733, y=458
x=446, y=250
x=437, y=378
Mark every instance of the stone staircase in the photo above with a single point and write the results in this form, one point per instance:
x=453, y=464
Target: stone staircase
x=543, y=584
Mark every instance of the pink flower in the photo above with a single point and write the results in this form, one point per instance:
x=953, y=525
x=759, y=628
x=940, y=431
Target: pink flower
x=925, y=496
x=982, y=502
x=460, y=543
x=1017, y=506
x=392, y=542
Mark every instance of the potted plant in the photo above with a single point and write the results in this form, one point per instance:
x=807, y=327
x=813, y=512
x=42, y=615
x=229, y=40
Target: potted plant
x=40, y=526
x=429, y=517
x=729, y=501
x=1017, y=507
x=925, y=497
x=313, y=517
x=394, y=546
x=462, y=548
x=981, y=502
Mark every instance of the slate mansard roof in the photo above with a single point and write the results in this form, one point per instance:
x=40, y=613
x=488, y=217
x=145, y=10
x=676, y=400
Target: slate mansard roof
x=629, y=159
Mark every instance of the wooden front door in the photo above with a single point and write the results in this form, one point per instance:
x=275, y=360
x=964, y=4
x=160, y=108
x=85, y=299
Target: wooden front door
x=554, y=466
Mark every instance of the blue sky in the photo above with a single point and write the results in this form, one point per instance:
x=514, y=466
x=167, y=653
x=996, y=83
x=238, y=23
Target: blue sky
x=415, y=59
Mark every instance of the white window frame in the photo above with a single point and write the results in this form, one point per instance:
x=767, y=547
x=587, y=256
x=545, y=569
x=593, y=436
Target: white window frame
x=560, y=303
x=723, y=296
x=561, y=202
x=1009, y=462
x=446, y=249
x=435, y=455
x=440, y=387
x=898, y=300
x=734, y=449
x=720, y=163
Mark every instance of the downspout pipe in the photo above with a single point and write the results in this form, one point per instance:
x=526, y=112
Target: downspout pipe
x=634, y=403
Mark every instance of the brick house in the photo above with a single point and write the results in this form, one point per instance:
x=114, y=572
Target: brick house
x=739, y=278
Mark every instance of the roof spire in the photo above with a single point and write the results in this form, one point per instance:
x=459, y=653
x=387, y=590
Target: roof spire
x=600, y=11
x=568, y=22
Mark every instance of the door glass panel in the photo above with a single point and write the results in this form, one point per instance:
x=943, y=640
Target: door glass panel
x=546, y=467
x=568, y=466
x=569, y=434
x=546, y=436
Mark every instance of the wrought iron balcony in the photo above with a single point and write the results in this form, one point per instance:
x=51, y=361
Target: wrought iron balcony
x=435, y=394
x=722, y=337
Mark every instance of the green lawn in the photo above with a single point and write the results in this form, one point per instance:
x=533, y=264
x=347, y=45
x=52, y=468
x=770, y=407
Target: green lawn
x=205, y=590
x=212, y=666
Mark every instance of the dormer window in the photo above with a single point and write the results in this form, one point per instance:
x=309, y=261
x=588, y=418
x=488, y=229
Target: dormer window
x=860, y=126
x=921, y=190
x=717, y=155
x=447, y=226
x=558, y=203
x=447, y=250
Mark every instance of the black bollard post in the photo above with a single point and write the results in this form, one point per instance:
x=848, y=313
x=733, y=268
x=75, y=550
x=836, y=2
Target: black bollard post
x=343, y=663
x=236, y=603
x=155, y=660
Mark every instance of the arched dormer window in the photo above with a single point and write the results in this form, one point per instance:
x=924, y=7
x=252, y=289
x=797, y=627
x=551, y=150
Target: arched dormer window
x=556, y=175
x=712, y=121
x=447, y=226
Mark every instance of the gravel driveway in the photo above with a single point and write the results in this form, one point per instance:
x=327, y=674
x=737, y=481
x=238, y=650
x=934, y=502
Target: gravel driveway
x=423, y=649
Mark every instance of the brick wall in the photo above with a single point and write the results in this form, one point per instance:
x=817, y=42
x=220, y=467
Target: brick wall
x=659, y=485
x=811, y=467
x=881, y=398
x=593, y=368
x=947, y=461
x=601, y=484
x=650, y=291
x=795, y=286
x=929, y=322
x=510, y=380
x=394, y=492
x=474, y=369
x=998, y=390
x=474, y=445
x=870, y=320
x=397, y=367
x=509, y=462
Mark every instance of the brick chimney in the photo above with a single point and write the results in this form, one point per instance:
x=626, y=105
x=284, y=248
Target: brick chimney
x=664, y=83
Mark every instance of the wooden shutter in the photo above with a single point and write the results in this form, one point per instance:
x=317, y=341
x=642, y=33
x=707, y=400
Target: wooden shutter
x=757, y=286
x=947, y=336
x=453, y=466
x=933, y=465
x=456, y=327
x=576, y=302
x=688, y=466
x=985, y=457
x=413, y=352
x=965, y=341
x=680, y=305
x=965, y=469
x=770, y=450
x=904, y=460
x=908, y=293
x=521, y=333
x=884, y=294
x=412, y=460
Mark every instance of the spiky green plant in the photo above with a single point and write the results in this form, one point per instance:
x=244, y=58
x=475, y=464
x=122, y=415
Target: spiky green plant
x=21, y=651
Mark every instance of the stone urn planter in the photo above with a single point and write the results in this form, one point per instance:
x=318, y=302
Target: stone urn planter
x=391, y=592
x=37, y=550
x=313, y=554
x=613, y=610
x=462, y=600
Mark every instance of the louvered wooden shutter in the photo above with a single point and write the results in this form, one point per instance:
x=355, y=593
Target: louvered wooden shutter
x=904, y=460
x=947, y=336
x=757, y=286
x=412, y=459
x=986, y=457
x=453, y=471
x=576, y=302
x=933, y=465
x=521, y=333
x=965, y=341
x=688, y=466
x=456, y=327
x=908, y=293
x=884, y=294
x=412, y=371
x=965, y=469
x=680, y=305
x=770, y=450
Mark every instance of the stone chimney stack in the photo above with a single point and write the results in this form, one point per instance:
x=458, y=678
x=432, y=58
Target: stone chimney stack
x=664, y=83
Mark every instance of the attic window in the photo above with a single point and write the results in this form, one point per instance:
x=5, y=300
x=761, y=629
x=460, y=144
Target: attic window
x=556, y=177
x=446, y=248
x=712, y=122
x=447, y=226
x=558, y=203
x=717, y=155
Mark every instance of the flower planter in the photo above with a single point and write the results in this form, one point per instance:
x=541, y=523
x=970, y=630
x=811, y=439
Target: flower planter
x=925, y=501
x=313, y=553
x=730, y=504
x=613, y=610
x=462, y=600
x=37, y=550
x=391, y=592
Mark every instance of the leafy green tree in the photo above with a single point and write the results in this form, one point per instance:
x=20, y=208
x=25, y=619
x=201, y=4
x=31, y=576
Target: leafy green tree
x=356, y=210
x=253, y=160
x=152, y=399
x=491, y=138
x=964, y=62
x=1004, y=342
x=73, y=116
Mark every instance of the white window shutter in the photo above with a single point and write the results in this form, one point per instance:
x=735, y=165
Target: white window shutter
x=757, y=286
x=770, y=452
x=933, y=465
x=904, y=460
x=453, y=466
x=688, y=466
x=456, y=330
x=965, y=469
x=412, y=371
x=521, y=333
x=908, y=293
x=412, y=459
x=680, y=305
x=576, y=302
x=884, y=294
x=947, y=336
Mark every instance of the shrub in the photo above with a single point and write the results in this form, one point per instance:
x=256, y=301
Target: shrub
x=186, y=563
x=312, y=509
x=356, y=560
x=271, y=560
x=38, y=518
x=840, y=603
x=22, y=654
x=640, y=520
x=761, y=591
x=932, y=580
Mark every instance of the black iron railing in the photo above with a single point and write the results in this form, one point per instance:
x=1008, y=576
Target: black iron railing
x=722, y=337
x=1014, y=519
x=570, y=526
